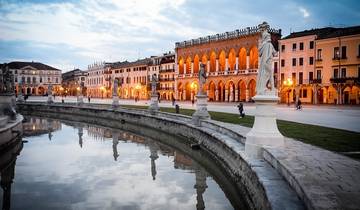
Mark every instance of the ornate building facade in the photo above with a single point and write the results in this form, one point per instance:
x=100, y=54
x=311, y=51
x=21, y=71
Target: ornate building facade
x=72, y=80
x=95, y=81
x=167, y=76
x=35, y=77
x=231, y=61
x=323, y=66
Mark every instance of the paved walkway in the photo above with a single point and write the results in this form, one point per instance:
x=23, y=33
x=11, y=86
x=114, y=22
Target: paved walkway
x=341, y=117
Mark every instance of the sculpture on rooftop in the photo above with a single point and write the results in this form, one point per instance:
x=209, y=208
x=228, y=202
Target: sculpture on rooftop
x=266, y=53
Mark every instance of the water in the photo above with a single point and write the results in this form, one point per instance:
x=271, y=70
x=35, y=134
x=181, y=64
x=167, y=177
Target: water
x=67, y=165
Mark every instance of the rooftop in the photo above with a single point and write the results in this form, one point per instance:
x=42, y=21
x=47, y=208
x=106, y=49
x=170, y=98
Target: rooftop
x=35, y=65
x=325, y=33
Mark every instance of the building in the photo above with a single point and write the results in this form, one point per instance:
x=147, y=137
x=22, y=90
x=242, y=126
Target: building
x=133, y=77
x=72, y=80
x=167, y=76
x=95, y=81
x=320, y=66
x=231, y=60
x=34, y=77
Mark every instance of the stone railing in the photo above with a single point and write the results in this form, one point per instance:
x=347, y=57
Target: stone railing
x=224, y=36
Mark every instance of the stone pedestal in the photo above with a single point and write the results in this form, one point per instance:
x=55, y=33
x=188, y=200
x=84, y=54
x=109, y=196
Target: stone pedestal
x=115, y=102
x=50, y=99
x=265, y=131
x=154, y=106
x=3, y=120
x=80, y=100
x=201, y=112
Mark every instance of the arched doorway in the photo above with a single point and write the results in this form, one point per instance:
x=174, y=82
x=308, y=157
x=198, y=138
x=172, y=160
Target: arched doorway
x=211, y=93
x=41, y=90
x=242, y=59
x=181, y=65
x=196, y=64
x=222, y=60
x=242, y=90
x=232, y=60
x=188, y=65
x=254, y=58
x=221, y=91
x=188, y=91
x=212, y=61
x=252, y=88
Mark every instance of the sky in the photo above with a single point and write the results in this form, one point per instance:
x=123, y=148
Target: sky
x=69, y=34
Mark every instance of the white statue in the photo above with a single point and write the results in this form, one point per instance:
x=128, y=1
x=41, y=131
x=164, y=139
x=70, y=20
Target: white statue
x=153, y=84
x=202, y=78
x=266, y=53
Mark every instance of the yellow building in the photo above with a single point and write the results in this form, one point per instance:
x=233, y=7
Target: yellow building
x=320, y=66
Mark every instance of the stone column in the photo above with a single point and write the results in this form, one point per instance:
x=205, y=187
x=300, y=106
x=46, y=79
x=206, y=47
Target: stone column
x=201, y=112
x=192, y=67
x=80, y=100
x=153, y=157
x=226, y=66
x=208, y=66
x=217, y=65
x=216, y=94
x=200, y=186
x=247, y=62
x=247, y=98
x=237, y=64
x=115, y=137
x=115, y=95
x=80, y=134
x=184, y=95
x=227, y=95
x=236, y=94
x=184, y=69
x=231, y=98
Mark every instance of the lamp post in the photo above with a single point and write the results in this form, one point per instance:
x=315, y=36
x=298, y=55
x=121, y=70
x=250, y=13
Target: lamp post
x=288, y=83
x=102, y=88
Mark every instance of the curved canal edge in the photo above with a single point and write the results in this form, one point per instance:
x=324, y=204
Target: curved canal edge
x=265, y=184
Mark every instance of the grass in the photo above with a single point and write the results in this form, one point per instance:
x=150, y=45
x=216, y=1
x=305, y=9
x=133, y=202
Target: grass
x=328, y=138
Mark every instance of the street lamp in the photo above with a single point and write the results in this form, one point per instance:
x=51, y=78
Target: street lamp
x=102, y=88
x=288, y=83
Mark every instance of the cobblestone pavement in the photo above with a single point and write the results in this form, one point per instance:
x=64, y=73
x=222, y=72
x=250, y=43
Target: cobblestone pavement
x=341, y=117
x=325, y=179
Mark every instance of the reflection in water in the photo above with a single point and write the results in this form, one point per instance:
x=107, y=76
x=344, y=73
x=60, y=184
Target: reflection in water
x=7, y=169
x=84, y=178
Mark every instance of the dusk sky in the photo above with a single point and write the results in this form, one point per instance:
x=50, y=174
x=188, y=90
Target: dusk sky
x=72, y=34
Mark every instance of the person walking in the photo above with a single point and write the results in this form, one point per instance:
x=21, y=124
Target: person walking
x=241, y=110
x=89, y=97
x=298, y=106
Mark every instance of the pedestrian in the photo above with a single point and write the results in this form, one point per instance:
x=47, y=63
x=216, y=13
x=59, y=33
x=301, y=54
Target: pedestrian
x=177, y=109
x=89, y=97
x=241, y=110
x=192, y=102
x=173, y=101
x=54, y=96
x=298, y=107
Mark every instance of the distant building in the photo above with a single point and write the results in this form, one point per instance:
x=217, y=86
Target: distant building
x=95, y=81
x=72, y=80
x=167, y=76
x=35, y=77
x=323, y=65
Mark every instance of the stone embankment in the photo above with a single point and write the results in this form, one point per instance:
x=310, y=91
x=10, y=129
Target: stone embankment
x=298, y=176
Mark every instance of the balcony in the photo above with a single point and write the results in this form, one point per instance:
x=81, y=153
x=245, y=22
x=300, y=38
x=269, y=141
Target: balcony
x=166, y=79
x=315, y=81
x=167, y=88
x=166, y=70
x=348, y=80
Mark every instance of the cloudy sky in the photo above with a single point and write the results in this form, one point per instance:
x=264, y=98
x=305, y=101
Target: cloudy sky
x=70, y=33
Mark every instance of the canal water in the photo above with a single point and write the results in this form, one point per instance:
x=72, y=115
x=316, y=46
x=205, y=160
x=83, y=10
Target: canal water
x=68, y=165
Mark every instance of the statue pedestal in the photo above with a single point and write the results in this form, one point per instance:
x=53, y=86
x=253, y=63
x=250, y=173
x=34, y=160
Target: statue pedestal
x=50, y=99
x=154, y=106
x=265, y=131
x=201, y=112
x=20, y=98
x=115, y=102
x=80, y=100
x=3, y=120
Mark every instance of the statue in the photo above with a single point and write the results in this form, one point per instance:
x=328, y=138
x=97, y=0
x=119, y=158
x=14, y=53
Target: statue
x=266, y=53
x=202, y=78
x=49, y=92
x=153, y=84
x=115, y=87
x=7, y=78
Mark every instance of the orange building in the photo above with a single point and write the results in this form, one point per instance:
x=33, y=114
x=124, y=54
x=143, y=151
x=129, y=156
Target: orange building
x=231, y=60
